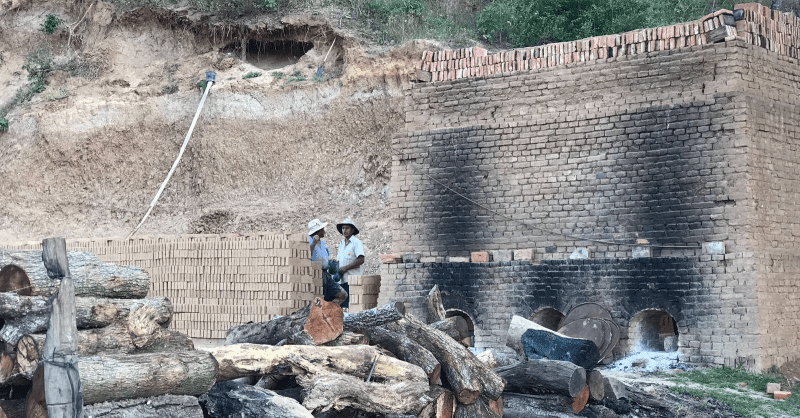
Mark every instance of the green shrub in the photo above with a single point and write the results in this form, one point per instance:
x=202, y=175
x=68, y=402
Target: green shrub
x=251, y=75
x=279, y=75
x=202, y=85
x=50, y=24
x=395, y=7
x=297, y=75
x=3, y=124
x=39, y=63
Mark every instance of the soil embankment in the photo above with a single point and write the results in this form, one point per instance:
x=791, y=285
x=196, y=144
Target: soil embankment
x=84, y=157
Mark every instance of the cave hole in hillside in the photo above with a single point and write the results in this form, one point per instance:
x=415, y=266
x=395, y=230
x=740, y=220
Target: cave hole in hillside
x=653, y=330
x=270, y=54
x=468, y=322
x=548, y=318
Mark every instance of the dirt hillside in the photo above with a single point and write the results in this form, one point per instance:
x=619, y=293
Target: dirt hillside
x=85, y=157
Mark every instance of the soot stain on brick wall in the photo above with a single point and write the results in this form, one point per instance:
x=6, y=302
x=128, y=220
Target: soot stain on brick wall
x=453, y=221
x=669, y=182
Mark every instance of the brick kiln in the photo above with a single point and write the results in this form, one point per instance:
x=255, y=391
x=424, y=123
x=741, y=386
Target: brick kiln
x=652, y=172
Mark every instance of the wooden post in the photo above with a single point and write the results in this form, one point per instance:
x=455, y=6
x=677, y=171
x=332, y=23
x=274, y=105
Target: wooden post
x=62, y=383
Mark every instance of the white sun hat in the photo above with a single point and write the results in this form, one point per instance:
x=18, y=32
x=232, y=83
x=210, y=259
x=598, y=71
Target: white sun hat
x=315, y=225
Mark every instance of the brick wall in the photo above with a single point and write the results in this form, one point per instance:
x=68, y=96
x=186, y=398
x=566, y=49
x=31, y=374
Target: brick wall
x=655, y=154
x=216, y=281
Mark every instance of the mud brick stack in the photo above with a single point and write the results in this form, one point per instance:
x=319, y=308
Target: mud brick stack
x=364, y=292
x=215, y=281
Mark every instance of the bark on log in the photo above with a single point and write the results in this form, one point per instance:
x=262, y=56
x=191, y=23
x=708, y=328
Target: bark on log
x=30, y=314
x=436, y=310
x=467, y=376
x=339, y=391
x=594, y=379
x=443, y=404
x=234, y=399
x=9, y=371
x=518, y=327
x=483, y=408
x=364, y=320
x=449, y=328
x=540, y=341
x=114, y=339
x=407, y=350
x=325, y=325
x=544, y=376
x=242, y=360
x=616, y=389
x=92, y=276
x=164, y=406
x=349, y=338
x=121, y=377
x=63, y=392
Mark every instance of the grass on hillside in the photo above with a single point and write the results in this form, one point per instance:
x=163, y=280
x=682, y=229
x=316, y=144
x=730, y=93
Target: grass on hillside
x=723, y=384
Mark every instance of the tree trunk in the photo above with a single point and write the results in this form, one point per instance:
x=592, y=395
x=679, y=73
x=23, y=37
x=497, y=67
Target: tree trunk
x=544, y=376
x=594, y=379
x=114, y=339
x=518, y=327
x=449, y=328
x=164, y=406
x=540, y=341
x=349, y=338
x=239, y=400
x=407, y=350
x=92, y=276
x=483, y=408
x=63, y=393
x=30, y=314
x=318, y=321
x=364, y=320
x=242, y=360
x=443, y=403
x=9, y=371
x=121, y=377
x=467, y=376
x=338, y=391
x=436, y=310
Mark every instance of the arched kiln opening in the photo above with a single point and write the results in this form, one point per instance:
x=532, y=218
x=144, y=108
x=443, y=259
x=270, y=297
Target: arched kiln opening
x=270, y=54
x=653, y=330
x=466, y=328
x=548, y=318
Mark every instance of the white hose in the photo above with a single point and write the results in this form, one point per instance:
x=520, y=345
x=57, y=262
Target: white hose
x=177, y=160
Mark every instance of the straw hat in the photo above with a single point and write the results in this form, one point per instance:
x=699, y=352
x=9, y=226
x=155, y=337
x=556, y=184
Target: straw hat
x=347, y=221
x=315, y=226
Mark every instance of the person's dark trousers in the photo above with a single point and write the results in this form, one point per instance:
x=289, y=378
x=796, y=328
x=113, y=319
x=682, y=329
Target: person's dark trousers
x=346, y=287
x=329, y=287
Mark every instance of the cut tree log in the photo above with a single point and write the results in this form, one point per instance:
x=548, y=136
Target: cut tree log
x=584, y=311
x=594, y=379
x=364, y=320
x=121, y=377
x=30, y=314
x=541, y=341
x=467, y=376
x=114, y=339
x=443, y=403
x=615, y=389
x=234, y=399
x=324, y=325
x=9, y=371
x=164, y=406
x=544, y=376
x=92, y=276
x=339, y=391
x=436, y=310
x=407, y=350
x=449, y=328
x=242, y=360
x=483, y=408
x=518, y=327
x=349, y=338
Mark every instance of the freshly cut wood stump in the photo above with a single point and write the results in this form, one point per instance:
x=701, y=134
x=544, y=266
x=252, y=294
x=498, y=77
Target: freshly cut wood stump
x=537, y=376
x=242, y=360
x=595, y=381
x=92, y=276
x=325, y=324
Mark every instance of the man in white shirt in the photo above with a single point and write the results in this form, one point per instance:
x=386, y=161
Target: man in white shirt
x=351, y=255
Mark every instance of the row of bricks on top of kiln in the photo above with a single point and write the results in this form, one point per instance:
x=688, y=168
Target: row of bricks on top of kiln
x=597, y=46
x=777, y=393
x=642, y=249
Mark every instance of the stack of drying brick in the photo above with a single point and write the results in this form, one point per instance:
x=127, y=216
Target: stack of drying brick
x=364, y=292
x=774, y=31
x=216, y=281
x=475, y=62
